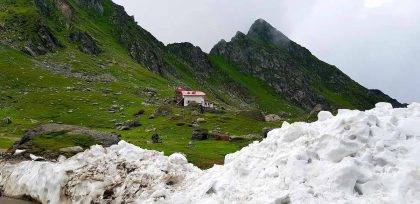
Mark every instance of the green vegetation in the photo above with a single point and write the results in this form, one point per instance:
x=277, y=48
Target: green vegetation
x=55, y=141
x=32, y=95
x=265, y=98
x=61, y=83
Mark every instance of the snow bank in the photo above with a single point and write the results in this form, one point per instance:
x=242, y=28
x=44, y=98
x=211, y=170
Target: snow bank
x=354, y=157
x=120, y=172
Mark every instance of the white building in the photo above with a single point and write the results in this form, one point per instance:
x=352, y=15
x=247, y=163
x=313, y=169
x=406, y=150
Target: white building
x=187, y=97
x=193, y=96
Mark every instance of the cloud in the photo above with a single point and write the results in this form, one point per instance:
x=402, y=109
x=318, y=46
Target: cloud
x=376, y=3
x=376, y=42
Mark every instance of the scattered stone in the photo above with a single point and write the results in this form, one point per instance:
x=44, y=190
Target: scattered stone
x=220, y=136
x=7, y=120
x=114, y=108
x=156, y=138
x=128, y=125
x=180, y=124
x=193, y=124
x=200, y=134
x=272, y=118
x=152, y=116
x=164, y=110
x=150, y=91
x=33, y=121
x=200, y=120
x=72, y=150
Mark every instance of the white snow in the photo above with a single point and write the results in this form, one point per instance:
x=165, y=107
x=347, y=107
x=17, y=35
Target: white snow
x=353, y=157
x=19, y=151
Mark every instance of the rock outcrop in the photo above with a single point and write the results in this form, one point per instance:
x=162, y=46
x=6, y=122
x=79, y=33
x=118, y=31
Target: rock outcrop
x=105, y=139
x=43, y=43
x=85, y=42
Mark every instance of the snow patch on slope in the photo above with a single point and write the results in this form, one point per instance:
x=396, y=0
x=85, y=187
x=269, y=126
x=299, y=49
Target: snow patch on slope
x=353, y=157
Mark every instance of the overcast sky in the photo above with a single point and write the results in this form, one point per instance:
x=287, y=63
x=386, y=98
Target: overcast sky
x=376, y=42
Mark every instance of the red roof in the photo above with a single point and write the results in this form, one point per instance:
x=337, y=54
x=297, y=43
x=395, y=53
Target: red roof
x=180, y=89
x=193, y=93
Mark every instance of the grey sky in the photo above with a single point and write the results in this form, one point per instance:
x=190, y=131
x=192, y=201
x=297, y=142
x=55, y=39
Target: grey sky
x=376, y=42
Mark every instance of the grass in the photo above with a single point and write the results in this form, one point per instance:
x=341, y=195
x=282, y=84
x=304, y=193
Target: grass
x=57, y=140
x=5, y=143
x=265, y=98
x=31, y=94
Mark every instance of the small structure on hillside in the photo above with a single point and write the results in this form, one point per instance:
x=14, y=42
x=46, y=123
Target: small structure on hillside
x=185, y=97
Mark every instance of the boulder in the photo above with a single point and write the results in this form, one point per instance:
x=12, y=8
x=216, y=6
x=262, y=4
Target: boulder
x=72, y=150
x=139, y=112
x=156, y=139
x=220, y=136
x=128, y=125
x=7, y=120
x=200, y=134
x=200, y=120
x=272, y=118
x=105, y=139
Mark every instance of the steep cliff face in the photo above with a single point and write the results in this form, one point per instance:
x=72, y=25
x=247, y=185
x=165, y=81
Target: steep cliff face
x=293, y=72
x=197, y=60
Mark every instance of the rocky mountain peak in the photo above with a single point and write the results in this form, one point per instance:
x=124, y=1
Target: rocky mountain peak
x=262, y=30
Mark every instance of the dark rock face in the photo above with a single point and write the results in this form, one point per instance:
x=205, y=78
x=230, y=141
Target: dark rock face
x=44, y=42
x=195, y=57
x=262, y=29
x=45, y=7
x=270, y=65
x=291, y=70
x=93, y=4
x=142, y=46
x=86, y=43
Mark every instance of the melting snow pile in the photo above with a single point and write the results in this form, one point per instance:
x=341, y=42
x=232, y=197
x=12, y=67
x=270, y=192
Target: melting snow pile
x=354, y=157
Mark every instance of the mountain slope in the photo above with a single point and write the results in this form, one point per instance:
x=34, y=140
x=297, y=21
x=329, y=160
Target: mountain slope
x=88, y=63
x=293, y=72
